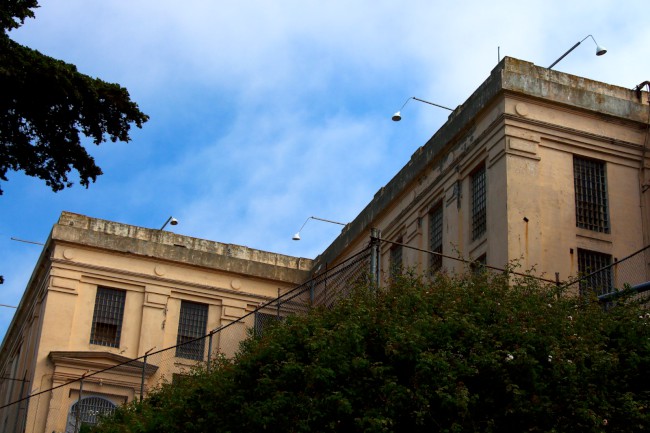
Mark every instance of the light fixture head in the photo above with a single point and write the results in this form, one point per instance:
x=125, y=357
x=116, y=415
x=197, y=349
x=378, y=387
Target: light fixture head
x=296, y=237
x=171, y=220
x=600, y=50
x=398, y=116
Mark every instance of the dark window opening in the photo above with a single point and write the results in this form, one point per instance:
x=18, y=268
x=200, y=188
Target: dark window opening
x=590, y=180
x=396, y=263
x=479, y=203
x=263, y=321
x=88, y=411
x=107, y=317
x=435, y=238
x=191, y=327
x=592, y=262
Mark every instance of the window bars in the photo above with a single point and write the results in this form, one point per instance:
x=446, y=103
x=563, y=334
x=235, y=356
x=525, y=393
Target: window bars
x=107, y=317
x=396, y=260
x=435, y=237
x=87, y=411
x=590, y=181
x=479, y=203
x=191, y=325
x=600, y=282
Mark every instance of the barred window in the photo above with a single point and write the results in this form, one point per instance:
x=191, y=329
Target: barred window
x=107, y=317
x=87, y=412
x=396, y=258
x=591, y=194
x=479, y=203
x=191, y=325
x=435, y=237
x=589, y=262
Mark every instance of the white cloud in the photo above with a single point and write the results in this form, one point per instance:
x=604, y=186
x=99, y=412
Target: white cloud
x=265, y=113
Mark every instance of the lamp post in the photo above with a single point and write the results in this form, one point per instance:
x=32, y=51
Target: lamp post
x=171, y=220
x=600, y=50
x=296, y=237
x=398, y=116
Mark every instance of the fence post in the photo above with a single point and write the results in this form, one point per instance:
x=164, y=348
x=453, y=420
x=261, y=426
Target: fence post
x=144, y=367
x=374, y=255
x=78, y=411
x=209, y=348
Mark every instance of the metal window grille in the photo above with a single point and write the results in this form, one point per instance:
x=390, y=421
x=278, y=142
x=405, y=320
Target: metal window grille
x=479, y=203
x=191, y=325
x=590, y=181
x=107, y=317
x=589, y=262
x=87, y=411
x=435, y=237
x=396, y=259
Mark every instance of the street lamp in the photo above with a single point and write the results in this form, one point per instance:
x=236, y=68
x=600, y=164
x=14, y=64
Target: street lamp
x=296, y=237
x=398, y=116
x=599, y=50
x=171, y=220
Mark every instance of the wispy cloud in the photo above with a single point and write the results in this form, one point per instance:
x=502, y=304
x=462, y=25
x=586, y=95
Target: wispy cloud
x=265, y=113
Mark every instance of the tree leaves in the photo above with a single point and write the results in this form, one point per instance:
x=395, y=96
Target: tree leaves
x=45, y=107
x=473, y=354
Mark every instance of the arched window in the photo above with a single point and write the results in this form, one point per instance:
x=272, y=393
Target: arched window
x=87, y=411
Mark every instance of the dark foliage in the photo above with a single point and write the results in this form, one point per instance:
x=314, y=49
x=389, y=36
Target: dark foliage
x=454, y=355
x=14, y=12
x=46, y=104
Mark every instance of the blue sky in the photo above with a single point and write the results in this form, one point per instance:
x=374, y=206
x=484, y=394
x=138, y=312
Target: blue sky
x=264, y=113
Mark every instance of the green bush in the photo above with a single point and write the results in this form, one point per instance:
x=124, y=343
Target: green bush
x=474, y=354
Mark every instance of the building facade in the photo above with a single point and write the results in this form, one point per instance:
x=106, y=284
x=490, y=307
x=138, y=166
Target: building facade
x=104, y=293
x=539, y=167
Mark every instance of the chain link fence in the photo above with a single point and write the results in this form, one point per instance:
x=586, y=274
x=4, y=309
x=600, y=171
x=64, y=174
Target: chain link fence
x=67, y=402
x=625, y=277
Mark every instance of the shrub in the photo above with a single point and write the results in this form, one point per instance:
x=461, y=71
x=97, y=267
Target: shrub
x=479, y=353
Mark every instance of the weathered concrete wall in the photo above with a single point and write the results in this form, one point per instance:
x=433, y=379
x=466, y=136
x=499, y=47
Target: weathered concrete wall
x=526, y=123
x=168, y=246
x=157, y=270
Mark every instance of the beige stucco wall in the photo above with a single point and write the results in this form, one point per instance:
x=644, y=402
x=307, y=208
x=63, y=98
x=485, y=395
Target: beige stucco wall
x=525, y=124
x=157, y=270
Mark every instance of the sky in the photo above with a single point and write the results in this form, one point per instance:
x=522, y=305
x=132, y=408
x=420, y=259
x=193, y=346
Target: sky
x=264, y=113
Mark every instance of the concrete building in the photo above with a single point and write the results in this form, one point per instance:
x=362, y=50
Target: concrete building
x=103, y=293
x=537, y=166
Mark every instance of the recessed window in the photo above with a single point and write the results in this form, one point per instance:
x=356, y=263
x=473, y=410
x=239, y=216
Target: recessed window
x=88, y=411
x=192, y=325
x=479, y=203
x=396, y=263
x=107, y=317
x=435, y=237
x=595, y=267
x=590, y=180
